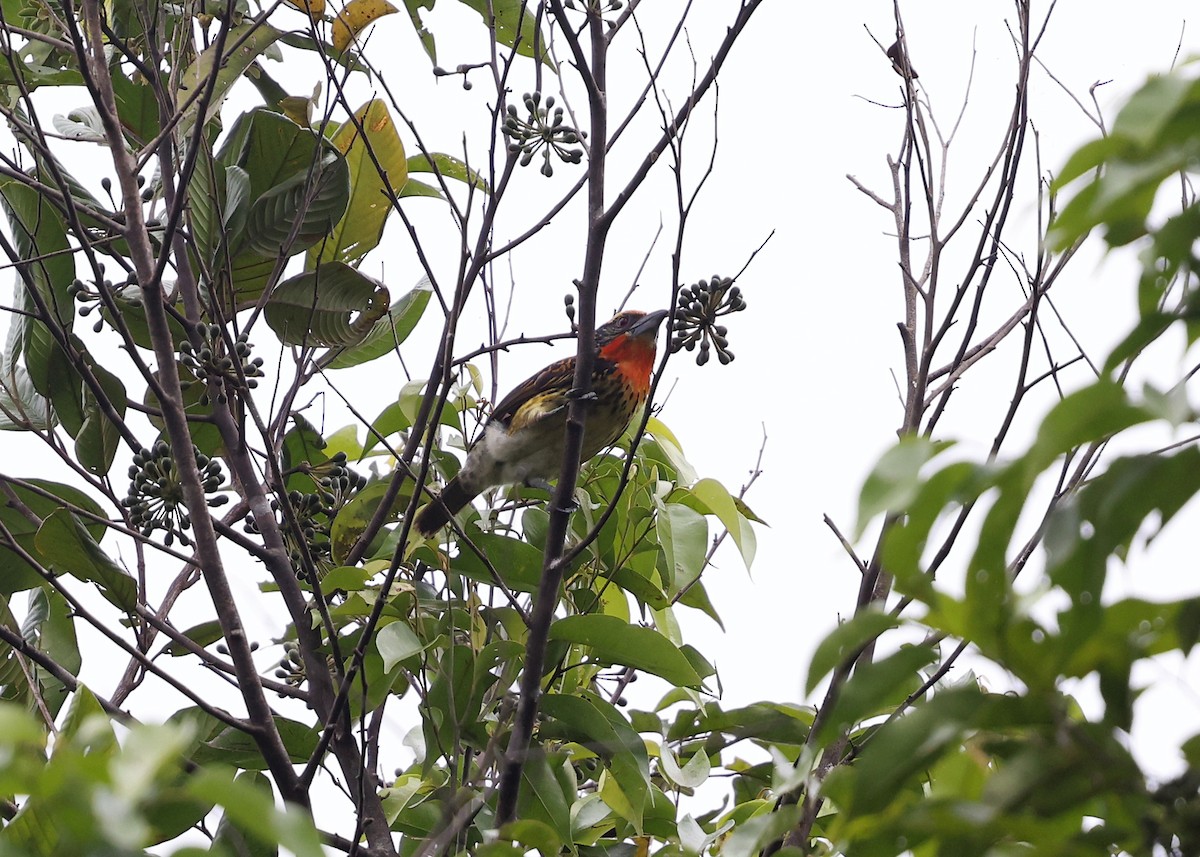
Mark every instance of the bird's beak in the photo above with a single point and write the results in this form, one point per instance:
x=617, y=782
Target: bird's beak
x=648, y=325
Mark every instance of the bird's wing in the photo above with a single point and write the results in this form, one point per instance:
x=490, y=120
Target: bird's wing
x=537, y=397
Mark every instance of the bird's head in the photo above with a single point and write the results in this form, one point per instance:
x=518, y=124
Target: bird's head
x=628, y=341
x=628, y=325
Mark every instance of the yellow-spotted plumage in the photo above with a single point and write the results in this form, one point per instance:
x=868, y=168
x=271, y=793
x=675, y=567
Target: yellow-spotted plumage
x=523, y=440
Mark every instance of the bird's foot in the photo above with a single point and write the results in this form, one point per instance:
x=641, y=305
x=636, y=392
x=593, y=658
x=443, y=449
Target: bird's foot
x=576, y=393
x=542, y=484
x=572, y=505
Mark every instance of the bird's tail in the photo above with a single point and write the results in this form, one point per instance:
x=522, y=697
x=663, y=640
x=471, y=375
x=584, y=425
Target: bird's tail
x=443, y=507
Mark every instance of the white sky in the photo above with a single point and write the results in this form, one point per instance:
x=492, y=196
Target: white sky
x=818, y=342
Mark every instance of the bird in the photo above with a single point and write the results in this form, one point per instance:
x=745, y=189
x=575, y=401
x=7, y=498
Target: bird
x=523, y=439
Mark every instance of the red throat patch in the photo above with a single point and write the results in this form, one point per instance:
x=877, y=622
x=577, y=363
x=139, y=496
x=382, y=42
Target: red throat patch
x=634, y=357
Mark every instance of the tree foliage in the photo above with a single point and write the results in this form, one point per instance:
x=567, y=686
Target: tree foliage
x=177, y=312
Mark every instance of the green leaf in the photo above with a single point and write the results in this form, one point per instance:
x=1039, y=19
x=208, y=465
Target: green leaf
x=1095, y=412
x=724, y=505
x=378, y=170
x=876, y=687
x=230, y=835
x=896, y=479
x=40, y=239
x=333, y=305
x=234, y=747
x=300, y=210
x=843, y=641
x=426, y=37
x=683, y=535
x=514, y=25
x=596, y=724
x=68, y=547
x=255, y=812
x=749, y=837
x=298, y=183
x=387, y=333
x=396, y=642
x=447, y=166
x=203, y=634
x=691, y=775
x=611, y=641
x=22, y=408
x=54, y=376
x=1142, y=119
x=518, y=563
x=243, y=45
x=541, y=796
x=15, y=573
x=99, y=437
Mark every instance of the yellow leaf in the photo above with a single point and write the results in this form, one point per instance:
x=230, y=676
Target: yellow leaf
x=313, y=8
x=355, y=17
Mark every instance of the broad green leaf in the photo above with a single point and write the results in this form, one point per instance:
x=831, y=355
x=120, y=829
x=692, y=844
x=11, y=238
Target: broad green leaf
x=230, y=835
x=413, y=8
x=99, y=437
x=531, y=833
x=255, y=813
x=298, y=188
x=874, y=688
x=895, y=481
x=300, y=210
x=724, y=506
x=941, y=492
x=396, y=642
x=137, y=107
x=446, y=166
x=683, y=535
x=22, y=408
x=334, y=305
x=691, y=775
x=378, y=170
x=54, y=376
x=40, y=238
x=541, y=796
x=595, y=723
x=68, y=547
x=518, y=563
x=391, y=420
x=748, y=838
x=387, y=333
x=1093, y=413
x=514, y=25
x=234, y=747
x=243, y=45
x=843, y=641
x=203, y=634
x=1147, y=112
x=611, y=641
x=41, y=498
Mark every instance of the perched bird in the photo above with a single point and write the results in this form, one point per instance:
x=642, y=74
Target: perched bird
x=900, y=63
x=523, y=439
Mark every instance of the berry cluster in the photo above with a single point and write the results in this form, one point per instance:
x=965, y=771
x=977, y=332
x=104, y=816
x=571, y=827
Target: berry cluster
x=291, y=666
x=336, y=484
x=155, y=499
x=211, y=363
x=542, y=130
x=87, y=295
x=696, y=317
